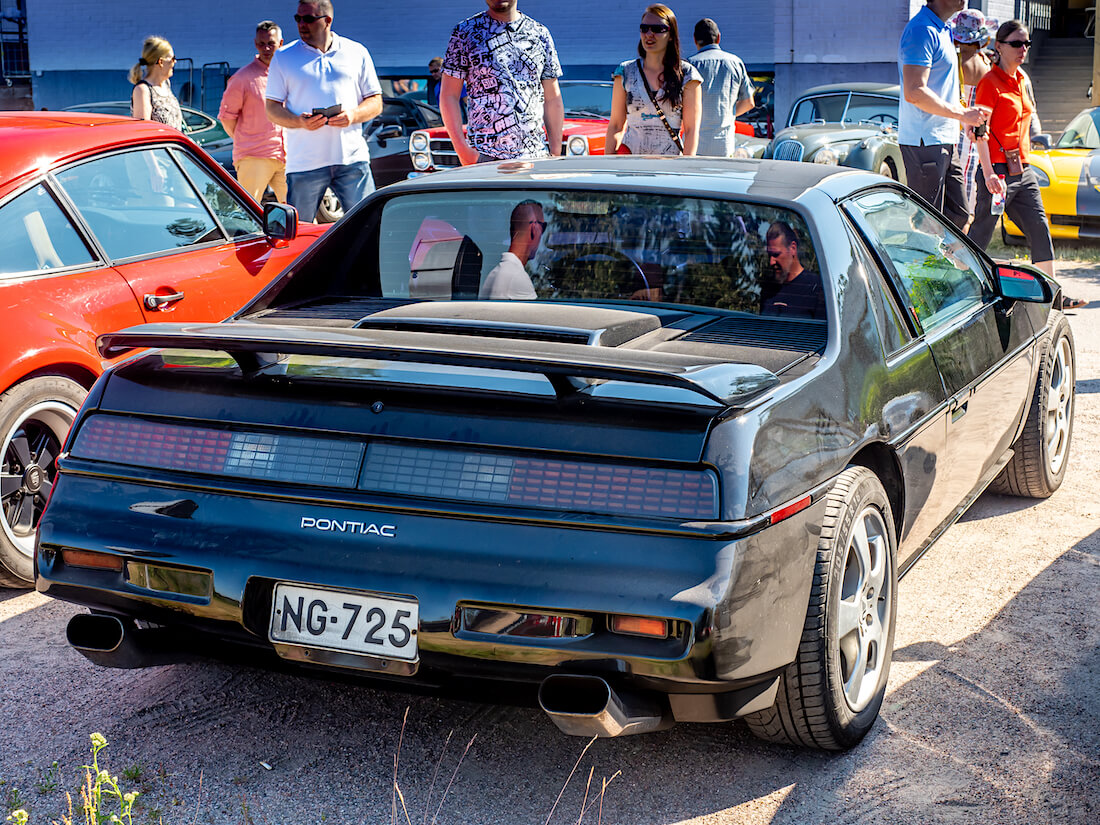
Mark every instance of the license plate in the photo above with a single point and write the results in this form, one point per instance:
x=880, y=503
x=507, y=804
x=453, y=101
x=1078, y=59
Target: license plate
x=343, y=620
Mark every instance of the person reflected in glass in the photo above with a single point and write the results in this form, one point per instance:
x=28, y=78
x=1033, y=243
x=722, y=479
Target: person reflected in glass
x=792, y=289
x=665, y=122
x=509, y=279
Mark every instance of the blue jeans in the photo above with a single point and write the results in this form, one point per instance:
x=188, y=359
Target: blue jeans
x=350, y=183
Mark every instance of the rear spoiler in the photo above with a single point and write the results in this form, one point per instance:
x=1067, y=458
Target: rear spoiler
x=254, y=346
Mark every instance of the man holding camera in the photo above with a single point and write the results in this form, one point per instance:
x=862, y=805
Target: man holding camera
x=321, y=89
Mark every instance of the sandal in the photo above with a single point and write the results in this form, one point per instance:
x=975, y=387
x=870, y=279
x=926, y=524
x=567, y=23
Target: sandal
x=1072, y=303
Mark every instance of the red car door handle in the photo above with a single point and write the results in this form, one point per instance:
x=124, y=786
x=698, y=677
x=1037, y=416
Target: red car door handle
x=161, y=301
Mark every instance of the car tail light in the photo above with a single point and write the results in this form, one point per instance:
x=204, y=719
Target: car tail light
x=640, y=626
x=491, y=478
x=268, y=456
x=790, y=509
x=91, y=559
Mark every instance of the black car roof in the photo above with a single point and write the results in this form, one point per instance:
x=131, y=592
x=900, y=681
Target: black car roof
x=765, y=179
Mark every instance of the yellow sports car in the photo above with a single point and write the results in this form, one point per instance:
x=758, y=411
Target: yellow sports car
x=1069, y=180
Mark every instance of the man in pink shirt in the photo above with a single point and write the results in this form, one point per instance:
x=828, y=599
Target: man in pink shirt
x=259, y=154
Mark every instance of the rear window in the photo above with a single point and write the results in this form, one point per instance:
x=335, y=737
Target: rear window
x=568, y=246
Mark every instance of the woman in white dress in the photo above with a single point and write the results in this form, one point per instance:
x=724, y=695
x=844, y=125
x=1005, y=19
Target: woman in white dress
x=666, y=121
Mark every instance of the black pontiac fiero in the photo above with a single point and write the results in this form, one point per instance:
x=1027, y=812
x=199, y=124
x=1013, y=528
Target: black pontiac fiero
x=678, y=481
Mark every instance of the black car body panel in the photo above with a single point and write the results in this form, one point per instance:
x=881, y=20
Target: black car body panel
x=542, y=483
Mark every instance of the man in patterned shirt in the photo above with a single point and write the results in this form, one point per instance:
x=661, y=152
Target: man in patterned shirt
x=511, y=70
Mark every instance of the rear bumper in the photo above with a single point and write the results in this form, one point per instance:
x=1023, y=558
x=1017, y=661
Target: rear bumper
x=203, y=564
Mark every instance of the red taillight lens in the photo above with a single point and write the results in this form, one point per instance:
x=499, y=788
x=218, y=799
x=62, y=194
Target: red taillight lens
x=583, y=486
x=89, y=558
x=791, y=509
x=327, y=462
x=640, y=626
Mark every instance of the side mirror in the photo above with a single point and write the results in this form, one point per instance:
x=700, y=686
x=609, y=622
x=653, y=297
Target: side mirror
x=1042, y=141
x=280, y=221
x=1023, y=283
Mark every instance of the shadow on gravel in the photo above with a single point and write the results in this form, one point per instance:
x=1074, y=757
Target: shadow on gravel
x=1003, y=727
x=991, y=505
x=9, y=593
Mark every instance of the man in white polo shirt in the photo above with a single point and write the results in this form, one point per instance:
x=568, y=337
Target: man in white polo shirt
x=321, y=88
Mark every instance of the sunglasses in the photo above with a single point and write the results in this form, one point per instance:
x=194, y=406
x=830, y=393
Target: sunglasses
x=435, y=69
x=541, y=224
x=309, y=19
x=653, y=28
x=167, y=60
x=1017, y=44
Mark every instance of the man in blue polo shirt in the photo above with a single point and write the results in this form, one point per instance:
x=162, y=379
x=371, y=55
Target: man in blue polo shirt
x=930, y=110
x=321, y=89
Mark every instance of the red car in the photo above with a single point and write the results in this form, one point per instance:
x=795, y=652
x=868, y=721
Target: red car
x=105, y=222
x=587, y=110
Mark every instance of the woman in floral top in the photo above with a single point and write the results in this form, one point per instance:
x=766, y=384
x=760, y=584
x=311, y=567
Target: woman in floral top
x=676, y=84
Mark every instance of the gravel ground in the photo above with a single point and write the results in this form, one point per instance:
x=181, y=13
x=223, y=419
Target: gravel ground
x=992, y=714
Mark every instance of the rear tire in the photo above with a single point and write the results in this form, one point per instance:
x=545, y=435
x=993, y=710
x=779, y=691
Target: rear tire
x=35, y=417
x=1041, y=453
x=831, y=695
x=886, y=170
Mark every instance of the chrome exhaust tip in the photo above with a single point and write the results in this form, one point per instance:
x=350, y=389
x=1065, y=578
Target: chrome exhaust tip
x=109, y=641
x=588, y=706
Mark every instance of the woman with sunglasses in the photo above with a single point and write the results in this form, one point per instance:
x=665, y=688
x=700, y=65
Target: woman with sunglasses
x=656, y=101
x=152, y=98
x=1003, y=93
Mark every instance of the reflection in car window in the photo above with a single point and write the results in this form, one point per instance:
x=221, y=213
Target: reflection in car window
x=872, y=108
x=829, y=108
x=1083, y=132
x=587, y=99
x=138, y=203
x=588, y=245
x=35, y=235
x=236, y=220
x=936, y=270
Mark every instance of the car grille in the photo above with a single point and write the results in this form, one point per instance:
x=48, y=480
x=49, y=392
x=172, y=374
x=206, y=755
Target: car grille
x=1089, y=225
x=788, y=150
x=473, y=475
x=443, y=152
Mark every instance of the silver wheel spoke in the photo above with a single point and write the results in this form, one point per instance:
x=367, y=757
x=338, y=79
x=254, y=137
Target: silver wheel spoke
x=848, y=617
x=853, y=686
x=9, y=484
x=22, y=450
x=23, y=518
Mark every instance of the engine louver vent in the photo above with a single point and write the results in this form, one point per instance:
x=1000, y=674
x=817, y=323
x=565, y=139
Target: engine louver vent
x=790, y=333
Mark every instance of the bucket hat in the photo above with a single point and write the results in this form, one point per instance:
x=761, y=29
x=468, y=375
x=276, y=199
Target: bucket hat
x=971, y=26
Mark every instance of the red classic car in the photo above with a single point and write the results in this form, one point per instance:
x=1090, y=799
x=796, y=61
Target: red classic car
x=587, y=110
x=105, y=222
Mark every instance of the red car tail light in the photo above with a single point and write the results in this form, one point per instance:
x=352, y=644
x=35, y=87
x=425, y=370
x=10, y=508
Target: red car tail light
x=267, y=456
x=91, y=559
x=616, y=489
x=640, y=626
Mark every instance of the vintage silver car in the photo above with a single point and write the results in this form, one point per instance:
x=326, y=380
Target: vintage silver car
x=844, y=124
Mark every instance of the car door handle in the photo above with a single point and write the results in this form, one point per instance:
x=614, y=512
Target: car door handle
x=161, y=301
x=958, y=410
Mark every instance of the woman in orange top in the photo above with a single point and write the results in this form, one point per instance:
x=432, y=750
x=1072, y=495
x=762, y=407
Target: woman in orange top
x=1004, y=150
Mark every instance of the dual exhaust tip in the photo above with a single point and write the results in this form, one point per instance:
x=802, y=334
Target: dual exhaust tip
x=579, y=705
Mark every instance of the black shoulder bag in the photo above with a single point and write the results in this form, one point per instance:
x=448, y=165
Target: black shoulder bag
x=653, y=99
